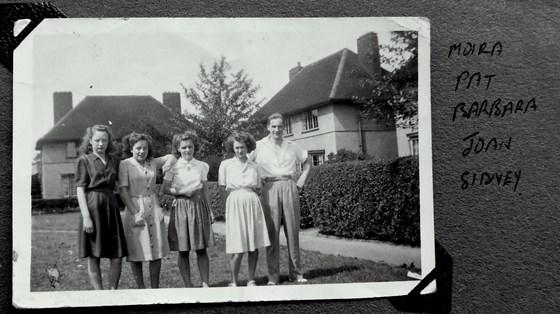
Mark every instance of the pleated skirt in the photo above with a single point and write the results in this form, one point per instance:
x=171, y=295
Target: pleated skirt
x=190, y=224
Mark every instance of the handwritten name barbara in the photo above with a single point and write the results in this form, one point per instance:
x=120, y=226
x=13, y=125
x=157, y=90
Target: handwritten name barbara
x=498, y=108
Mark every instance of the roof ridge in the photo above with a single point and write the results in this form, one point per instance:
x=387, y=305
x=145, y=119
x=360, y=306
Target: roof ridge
x=336, y=81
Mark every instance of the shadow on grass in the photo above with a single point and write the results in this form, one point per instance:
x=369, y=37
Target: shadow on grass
x=312, y=274
x=327, y=272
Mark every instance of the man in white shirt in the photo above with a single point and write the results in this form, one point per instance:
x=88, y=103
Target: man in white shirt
x=277, y=158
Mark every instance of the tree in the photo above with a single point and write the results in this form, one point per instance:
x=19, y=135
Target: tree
x=223, y=103
x=395, y=93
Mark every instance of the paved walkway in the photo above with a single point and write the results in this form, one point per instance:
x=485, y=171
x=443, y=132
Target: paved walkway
x=376, y=251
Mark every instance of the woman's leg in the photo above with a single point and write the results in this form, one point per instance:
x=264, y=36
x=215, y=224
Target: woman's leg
x=203, y=266
x=155, y=268
x=253, y=257
x=185, y=268
x=136, y=268
x=94, y=273
x=235, y=264
x=115, y=272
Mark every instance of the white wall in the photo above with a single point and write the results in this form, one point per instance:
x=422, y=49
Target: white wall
x=54, y=164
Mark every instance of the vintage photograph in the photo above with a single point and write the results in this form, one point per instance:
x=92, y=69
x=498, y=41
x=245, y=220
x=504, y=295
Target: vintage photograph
x=221, y=160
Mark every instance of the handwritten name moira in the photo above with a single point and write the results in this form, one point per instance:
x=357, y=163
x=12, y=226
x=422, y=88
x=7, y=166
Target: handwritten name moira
x=498, y=108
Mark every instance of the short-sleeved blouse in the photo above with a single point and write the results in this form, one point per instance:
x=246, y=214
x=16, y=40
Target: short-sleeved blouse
x=281, y=164
x=92, y=173
x=187, y=174
x=141, y=180
x=236, y=175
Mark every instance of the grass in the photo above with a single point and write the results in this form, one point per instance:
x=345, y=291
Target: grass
x=55, y=239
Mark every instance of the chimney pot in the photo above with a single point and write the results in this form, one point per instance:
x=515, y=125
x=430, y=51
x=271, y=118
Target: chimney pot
x=368, y=53
x=62, y=104
x=172, y=100
x=294, y=71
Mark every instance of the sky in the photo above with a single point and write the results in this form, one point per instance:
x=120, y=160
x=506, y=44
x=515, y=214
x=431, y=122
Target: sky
x=153, y=56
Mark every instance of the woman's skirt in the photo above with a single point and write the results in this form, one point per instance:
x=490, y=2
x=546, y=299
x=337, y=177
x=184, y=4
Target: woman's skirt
x=245, y=224
x=107, y=239
x=190, y=224
x=146, y=242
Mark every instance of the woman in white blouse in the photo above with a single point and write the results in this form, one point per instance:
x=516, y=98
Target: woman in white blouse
x=245, y=225
x=190, y=221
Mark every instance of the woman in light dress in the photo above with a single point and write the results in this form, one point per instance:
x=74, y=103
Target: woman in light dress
x=245, y=223
x=144, y=225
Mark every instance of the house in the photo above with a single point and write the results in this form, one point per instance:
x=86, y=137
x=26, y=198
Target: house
x=319, y=110
x=59, y=147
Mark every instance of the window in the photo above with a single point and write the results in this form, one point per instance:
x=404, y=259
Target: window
x=317, y=157
x=288, y=125
x=68, y=188
x=310, y=120
x=413, y=143
x=71, y=151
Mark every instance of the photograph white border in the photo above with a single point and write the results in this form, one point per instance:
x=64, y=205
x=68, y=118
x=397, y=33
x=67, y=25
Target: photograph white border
x=22, y=160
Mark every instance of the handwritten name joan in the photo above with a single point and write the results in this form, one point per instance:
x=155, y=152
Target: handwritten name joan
x=508, y=178
x=480, y=144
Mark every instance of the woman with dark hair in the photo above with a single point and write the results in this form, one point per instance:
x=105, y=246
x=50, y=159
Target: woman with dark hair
x=101, y=233
x=190, y=221
x=144, y=224
x=245, y=223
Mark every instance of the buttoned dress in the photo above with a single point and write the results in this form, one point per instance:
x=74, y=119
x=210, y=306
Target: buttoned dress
x=98, y=180
x=245, y=224
x=146, y=242
x=190, y=221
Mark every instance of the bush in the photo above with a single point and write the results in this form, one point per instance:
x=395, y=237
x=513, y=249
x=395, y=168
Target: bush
x=53, y=206
x=343, y=155
x=364, y=199
x=214, y=164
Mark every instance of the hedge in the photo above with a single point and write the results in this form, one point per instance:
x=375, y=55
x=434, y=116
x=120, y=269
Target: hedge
x=364, y=199
x=51, y=206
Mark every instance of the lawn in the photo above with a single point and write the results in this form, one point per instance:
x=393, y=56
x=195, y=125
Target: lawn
x=55, y=240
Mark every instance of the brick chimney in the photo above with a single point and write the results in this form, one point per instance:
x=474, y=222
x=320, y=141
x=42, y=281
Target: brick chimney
x=368, y=53
x=172, y=100
x=295, y=71
x=62, y=104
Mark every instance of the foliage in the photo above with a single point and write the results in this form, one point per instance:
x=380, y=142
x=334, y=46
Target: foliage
x=46, y=206
x=223, y=103
x=364, y=199
x=343, y=155
x=395, y=93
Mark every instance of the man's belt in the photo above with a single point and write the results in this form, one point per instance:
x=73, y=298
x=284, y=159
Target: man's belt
x=278, y=178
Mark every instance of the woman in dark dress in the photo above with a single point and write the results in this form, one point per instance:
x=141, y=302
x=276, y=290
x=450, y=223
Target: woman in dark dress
x=101, y=233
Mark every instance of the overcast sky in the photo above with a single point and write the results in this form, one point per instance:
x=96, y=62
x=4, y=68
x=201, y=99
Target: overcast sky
x=152, y=56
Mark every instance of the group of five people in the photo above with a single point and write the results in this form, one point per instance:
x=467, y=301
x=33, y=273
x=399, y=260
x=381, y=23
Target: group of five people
x=257, y=183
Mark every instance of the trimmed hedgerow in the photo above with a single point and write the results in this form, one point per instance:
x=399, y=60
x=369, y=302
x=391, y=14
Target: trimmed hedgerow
x=364, y=199
x=53, y=206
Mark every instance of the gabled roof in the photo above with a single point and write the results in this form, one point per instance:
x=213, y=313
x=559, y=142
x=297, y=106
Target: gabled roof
x=118, y=112
x=332, y=78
